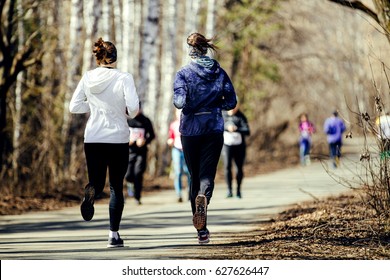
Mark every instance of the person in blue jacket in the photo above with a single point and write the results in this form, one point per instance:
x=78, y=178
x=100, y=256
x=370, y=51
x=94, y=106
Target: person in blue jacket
x=202, y=89
x=334, y=128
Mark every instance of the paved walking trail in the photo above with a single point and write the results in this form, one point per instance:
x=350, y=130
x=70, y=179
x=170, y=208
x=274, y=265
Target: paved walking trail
x=161, y=228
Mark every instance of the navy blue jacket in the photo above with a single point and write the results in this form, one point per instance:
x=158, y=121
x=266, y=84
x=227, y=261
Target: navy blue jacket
x=202, y=93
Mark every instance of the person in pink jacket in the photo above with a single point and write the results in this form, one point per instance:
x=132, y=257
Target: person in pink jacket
x=178, y=162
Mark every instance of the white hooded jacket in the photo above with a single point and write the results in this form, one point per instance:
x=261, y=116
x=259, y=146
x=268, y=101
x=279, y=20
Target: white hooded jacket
x=106, y=93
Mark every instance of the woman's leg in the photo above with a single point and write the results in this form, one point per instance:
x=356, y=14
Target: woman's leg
x=95, y=154
x=117, y=166
x=210, y=152
x=185, y=171
x=227, y=166
x=139, y=169
x=191, y=150
x=176, y=161
x=239, y=159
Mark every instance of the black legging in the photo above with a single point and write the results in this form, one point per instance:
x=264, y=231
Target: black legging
x=236, y=153
x=202, y=155
x=101, y=156
x=135, y=171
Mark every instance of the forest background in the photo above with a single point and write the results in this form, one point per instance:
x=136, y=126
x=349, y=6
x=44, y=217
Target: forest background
x=285, y=57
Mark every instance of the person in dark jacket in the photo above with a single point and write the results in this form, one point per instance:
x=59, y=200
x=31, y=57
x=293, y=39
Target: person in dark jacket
x=234, y=148
x=202, y=89
x=141, y=134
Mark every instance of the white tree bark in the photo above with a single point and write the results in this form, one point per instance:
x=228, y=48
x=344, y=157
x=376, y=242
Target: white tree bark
x=136, y=40
x=210, y=22
x=74, y=58
x=18, y=99
x=147, y=81
x=118, y=30
x=191, y=24
x=126, y=57
x=92, y=15
x=168, y=68
x=106, y=24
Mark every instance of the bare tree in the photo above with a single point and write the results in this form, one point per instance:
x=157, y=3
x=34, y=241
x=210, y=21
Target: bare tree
x=15, y=57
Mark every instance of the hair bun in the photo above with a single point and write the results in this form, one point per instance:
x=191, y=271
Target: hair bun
x=99, y=49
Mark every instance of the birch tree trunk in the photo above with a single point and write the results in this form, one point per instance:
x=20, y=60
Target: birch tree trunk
x=75, y=62
x=210, y=23
x=126, y=57
x=92, y=15
x=191, y=24
x=148, y=54
x=168, y=67
x=118, y=30
x=136, y=43
x=18, y=98
x=74, y=58
x=106, y=26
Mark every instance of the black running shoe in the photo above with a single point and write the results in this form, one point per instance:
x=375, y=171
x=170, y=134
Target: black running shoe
x=114, y=243
x=203, y=236
x=87, y=209
x=200, y=215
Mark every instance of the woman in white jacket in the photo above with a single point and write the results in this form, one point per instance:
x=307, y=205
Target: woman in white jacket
x=109, y=95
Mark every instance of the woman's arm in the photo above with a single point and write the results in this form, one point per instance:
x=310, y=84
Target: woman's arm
x=79, y=103
x=131, y=96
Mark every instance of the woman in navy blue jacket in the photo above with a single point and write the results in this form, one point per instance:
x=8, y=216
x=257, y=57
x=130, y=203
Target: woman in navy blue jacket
x=202, y=89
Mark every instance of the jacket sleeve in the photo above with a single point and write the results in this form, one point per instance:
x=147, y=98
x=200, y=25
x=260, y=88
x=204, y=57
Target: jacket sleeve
x=179, y=91
x=131, y=96
x=326, y=126
x=171, y=132
x=79, y=103
x=243, y=127
x=229, y=100
x=150, y=135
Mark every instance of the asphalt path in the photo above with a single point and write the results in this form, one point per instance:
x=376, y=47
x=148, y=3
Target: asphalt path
x=161, y=228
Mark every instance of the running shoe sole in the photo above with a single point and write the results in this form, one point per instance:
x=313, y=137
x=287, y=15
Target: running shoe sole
x=205, y=239
x=117, y=245
x=86, y=208
x=200, y=215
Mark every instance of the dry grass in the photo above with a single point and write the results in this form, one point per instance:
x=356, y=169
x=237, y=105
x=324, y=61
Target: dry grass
x=337, y=228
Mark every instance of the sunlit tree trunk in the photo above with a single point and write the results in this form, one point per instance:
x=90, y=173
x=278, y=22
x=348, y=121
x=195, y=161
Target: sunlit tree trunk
x=75, y=62
x=107, y=20
x=74, y=58
x=126, y=56
x=147, y=79
x=168, y=67
x=210, y=23
x=92, y=16
x=18, y=100
x=118, y=30
x=191, y=24
x=136, y=39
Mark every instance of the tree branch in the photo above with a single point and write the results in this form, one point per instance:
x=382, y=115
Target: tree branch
x=357, y=5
